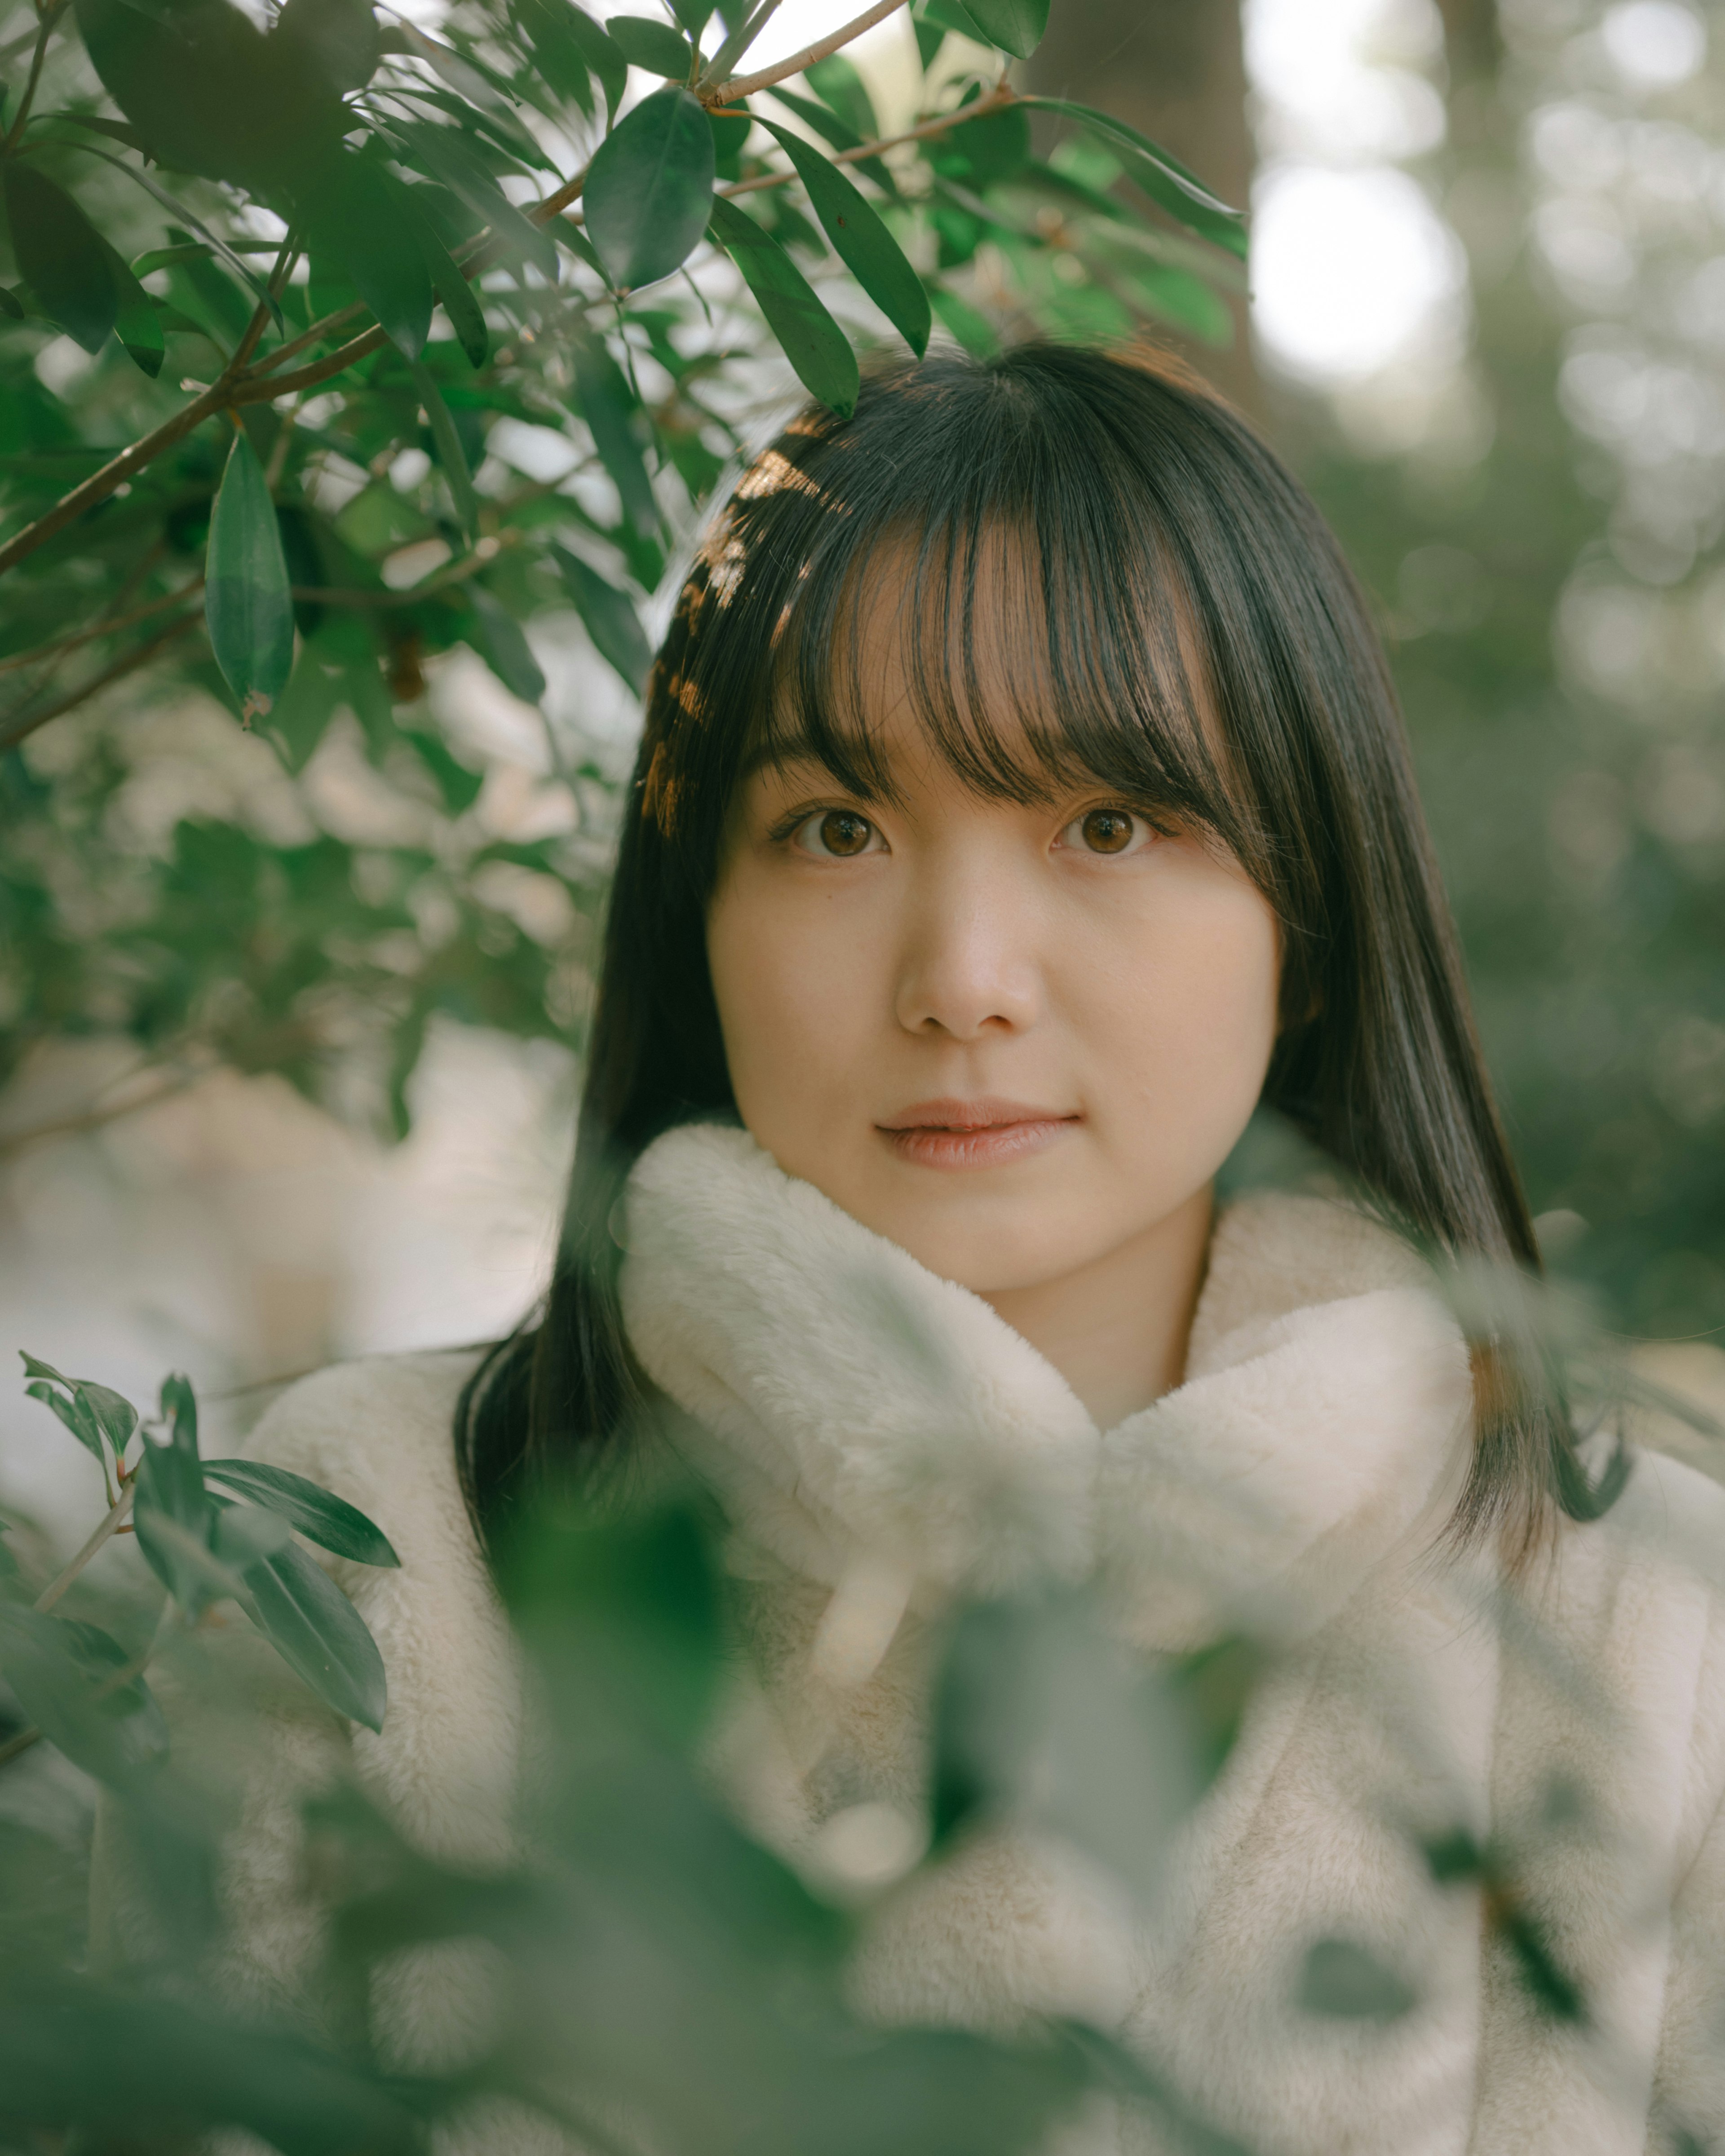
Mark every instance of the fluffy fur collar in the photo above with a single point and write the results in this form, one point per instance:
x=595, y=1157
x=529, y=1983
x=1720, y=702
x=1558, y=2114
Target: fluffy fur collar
x=882, y=1431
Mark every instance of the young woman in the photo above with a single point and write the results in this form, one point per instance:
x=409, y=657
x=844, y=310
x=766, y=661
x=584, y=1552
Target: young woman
x=1022, y=803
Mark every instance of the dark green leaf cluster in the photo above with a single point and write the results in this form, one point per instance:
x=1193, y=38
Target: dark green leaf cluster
x=211, y=1531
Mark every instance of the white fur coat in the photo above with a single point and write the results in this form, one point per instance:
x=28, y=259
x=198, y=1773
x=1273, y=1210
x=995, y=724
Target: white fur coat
x=882, y=1442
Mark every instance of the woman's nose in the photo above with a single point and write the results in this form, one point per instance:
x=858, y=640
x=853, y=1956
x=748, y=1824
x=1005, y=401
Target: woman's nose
x=969, y=967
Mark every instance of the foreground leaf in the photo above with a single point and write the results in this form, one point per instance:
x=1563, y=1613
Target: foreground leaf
x=461, y=302
x=506, y=651
x=317, y=1513
x=451, y=457
x=862, y=242
x=1016, y=26
x=653, y=46
x=247, y=601
x=1160, y=175
x=600, y=52
x=608, y=618
x=60, y=255
x=813, y=341
x=354, y=215
x=605, y=400
x=649, y=189
x=137, y=326
x=441, y=152
x=318, y=1633
x=70, y=1680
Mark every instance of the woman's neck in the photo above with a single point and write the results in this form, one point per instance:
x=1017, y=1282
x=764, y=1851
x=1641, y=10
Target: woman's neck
x=1116, y=1329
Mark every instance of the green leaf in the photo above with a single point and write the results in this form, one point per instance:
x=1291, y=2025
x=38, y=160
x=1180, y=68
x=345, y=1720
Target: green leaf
x=601, y=53
x=218, y=246
x=92, y=1413
x=505, y=651
x=246, y=599
x=138, y=327
x=442, y=153
x=814, y=343
x=117, y=131
x=173, y=1513
x=75, y=1415
x=244, y=1534
x=605, y=399
x=354, y=213
x=179, y=1409
x=318, y=1514
x=461, y=302
x=67, y=1679
x=1161, y=177
x=990, y=148
x=653, y=46
x=460, y=787
x=610, y=620
x=10, y=304
x=1016, y=26
x=338, y=39
x=842, y=136
x=318, y=1633
x=188, y=1562
x=837, y=83
x=450, y=455
x=692, y=14
x=60, y=255
x=649, y=189
x=862, y=243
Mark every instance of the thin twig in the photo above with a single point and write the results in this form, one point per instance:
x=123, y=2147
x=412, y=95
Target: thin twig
x=49, y=17
x=747, y=85
x=111, y=625
x=264, y=312
x=57, y=1586
x=21, y=729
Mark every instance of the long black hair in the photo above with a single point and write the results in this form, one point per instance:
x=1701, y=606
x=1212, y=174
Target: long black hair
x=1172, y=567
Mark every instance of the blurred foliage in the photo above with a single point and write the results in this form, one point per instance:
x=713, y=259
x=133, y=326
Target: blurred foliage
x=644, y=1908
x=1545, y=562
x=416, y=340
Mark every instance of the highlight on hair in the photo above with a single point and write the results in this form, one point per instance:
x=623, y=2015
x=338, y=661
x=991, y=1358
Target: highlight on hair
x=1190, y=635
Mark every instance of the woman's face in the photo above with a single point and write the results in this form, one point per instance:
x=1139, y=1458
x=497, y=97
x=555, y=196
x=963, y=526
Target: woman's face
x=1010, y=1038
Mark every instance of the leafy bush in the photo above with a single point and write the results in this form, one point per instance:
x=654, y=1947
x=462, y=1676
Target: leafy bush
x=285, y=304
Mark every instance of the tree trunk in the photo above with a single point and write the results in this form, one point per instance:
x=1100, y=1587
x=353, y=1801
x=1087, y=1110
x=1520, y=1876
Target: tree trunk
x=1175, y=69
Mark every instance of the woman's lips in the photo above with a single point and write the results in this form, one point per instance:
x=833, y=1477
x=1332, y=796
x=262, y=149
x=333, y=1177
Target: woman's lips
x=973, y=1133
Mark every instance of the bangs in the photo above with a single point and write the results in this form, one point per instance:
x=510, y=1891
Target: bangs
x=1029, y=664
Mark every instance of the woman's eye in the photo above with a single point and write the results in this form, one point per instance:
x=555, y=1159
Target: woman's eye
x=836, y=834
x=1108, y=831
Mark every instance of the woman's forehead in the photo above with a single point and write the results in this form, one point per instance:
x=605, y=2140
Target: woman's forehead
x=955, y=645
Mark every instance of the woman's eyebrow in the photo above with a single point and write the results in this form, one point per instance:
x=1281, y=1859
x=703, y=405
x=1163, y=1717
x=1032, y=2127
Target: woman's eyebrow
x=784, y=751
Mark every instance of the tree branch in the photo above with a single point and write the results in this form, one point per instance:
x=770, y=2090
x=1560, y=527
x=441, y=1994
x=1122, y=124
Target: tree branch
x=101, y=484
x=111, y=625
x=20, y=729
x=746, y=85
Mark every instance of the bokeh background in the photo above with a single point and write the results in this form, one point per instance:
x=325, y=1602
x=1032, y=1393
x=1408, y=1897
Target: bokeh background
x=1486, y=323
